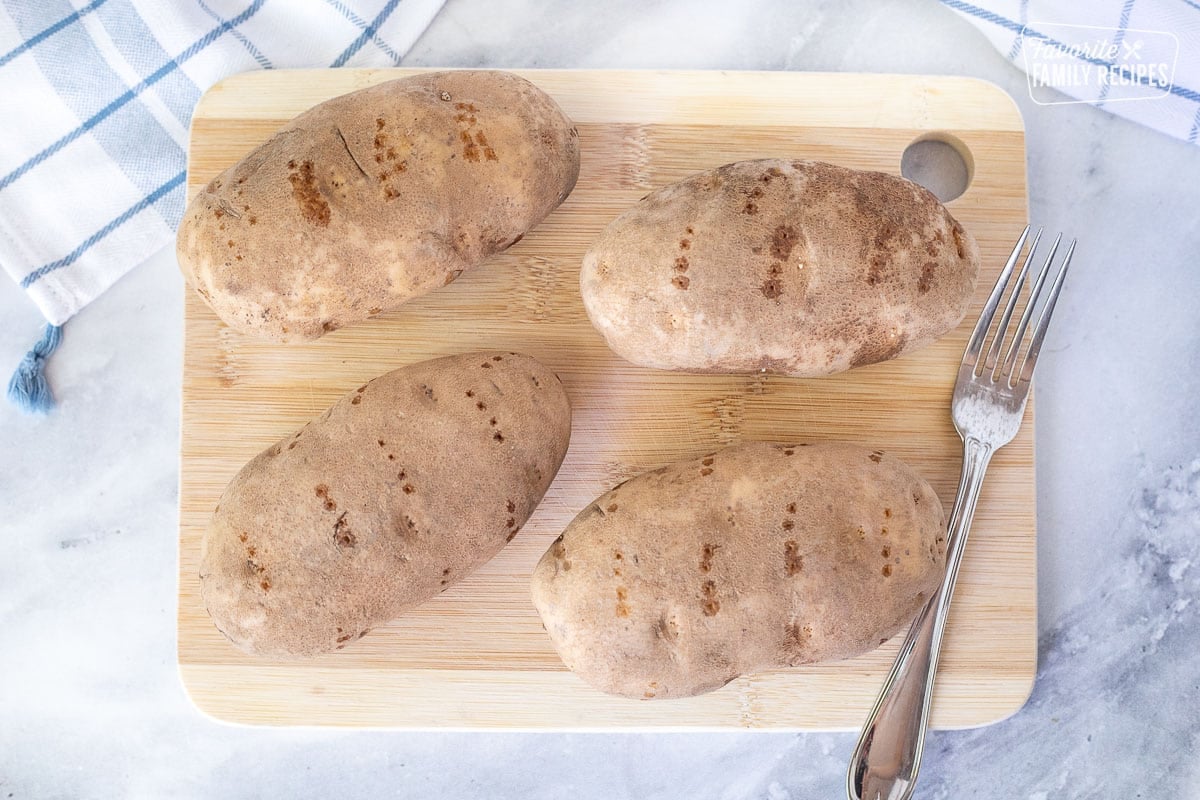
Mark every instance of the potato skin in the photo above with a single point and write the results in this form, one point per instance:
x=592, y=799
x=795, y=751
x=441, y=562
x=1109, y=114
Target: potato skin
x=376, y=197
x=755, y=557
x=793, y=267
x=402, y=488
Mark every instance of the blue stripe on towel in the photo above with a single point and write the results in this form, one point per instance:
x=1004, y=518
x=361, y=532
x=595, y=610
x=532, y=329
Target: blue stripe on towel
x=45, y=33
x=125, y=216
x=996, y=19
x=1122, y=29
x=376, y=40
x=140, y=47
x=366, y=35
x=155, y=77
x=1016, y=45
x=254, y=52
x=133, y=138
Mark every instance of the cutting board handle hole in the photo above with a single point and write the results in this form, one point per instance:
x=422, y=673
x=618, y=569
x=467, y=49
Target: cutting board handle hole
x=941, y=163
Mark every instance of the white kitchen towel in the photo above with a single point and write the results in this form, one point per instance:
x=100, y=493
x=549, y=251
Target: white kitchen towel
x=1139, y=59
x=95, y=101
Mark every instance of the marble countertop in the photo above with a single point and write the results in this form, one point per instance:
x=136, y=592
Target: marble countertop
x=90, y=700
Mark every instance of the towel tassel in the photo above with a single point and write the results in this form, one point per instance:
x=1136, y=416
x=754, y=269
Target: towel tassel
x=28, y=387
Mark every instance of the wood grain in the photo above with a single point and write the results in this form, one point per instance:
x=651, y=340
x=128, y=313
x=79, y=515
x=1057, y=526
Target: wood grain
x=476, y=656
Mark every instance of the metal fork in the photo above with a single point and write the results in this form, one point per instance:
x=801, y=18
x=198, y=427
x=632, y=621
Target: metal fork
x=989, y=400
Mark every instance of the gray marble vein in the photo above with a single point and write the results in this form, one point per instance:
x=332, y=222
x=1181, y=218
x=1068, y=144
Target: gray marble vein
x=90, y=700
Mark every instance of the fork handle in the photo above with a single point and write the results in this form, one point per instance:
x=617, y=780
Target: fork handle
x=888, y=755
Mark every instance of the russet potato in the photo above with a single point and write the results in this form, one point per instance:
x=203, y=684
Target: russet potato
x=403, y=487
x=376, y=197
x=793, y=267
x=759, y=556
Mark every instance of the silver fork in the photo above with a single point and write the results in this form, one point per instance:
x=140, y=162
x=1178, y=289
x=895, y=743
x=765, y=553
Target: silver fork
x=989, y=400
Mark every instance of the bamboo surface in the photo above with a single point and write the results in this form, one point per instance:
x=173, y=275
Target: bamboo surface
x=476, y=655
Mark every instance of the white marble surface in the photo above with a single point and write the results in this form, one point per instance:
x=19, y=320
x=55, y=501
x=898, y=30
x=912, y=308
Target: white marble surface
x=90, y=701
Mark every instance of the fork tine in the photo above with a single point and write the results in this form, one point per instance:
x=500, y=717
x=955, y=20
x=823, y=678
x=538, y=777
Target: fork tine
x=1010, y=358
x=971, y=356
x=1043, y=323
x=993, y=353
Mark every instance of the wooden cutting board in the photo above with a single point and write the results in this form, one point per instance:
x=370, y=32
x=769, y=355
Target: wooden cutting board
x=476, y=656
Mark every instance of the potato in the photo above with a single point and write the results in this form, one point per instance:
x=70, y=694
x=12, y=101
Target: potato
x=376, y=197
x=402, y=488
x=792, y=267
x=755, y=557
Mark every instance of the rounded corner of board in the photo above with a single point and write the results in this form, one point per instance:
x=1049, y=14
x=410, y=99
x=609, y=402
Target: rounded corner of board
x=230, y=83
x=999, y=98
x=196, y=692
x=1009, y=700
